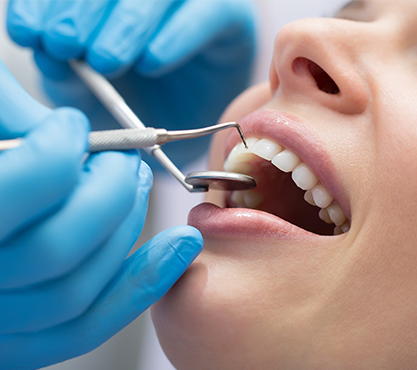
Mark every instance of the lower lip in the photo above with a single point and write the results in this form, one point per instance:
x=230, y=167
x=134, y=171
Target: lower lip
x=244, y=223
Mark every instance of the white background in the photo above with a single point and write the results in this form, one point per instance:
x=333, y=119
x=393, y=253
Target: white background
x=136, y=347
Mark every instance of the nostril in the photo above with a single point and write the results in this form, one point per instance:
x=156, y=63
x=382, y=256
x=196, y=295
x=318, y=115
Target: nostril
x=323, y=81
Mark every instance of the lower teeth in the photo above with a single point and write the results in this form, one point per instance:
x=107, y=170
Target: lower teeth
x=248, y=199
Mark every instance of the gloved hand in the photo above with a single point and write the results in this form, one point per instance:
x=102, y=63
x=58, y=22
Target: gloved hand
x=180, y=61
x=66, y=227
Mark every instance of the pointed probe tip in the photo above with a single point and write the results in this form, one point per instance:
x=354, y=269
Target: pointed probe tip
x=239, y=129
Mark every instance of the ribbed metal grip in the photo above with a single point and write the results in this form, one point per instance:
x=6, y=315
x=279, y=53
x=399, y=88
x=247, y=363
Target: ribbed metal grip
x=122, y=139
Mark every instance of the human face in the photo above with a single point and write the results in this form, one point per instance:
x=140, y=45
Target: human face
x=268, y=294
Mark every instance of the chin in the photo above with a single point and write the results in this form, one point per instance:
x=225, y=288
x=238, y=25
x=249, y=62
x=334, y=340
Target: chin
x=207, y=320
x=180, y=322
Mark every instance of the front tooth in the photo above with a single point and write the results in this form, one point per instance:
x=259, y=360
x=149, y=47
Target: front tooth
x=308, y=197
x=321, y=197
x=337, y=231
x=336, y=214
x=252, y=199
x=251, y=142
x=324, y=215
x=236, y=161
x=240, y=154
x=239, y=167
x=286, y=161
x=303, y=177
x=266, y=149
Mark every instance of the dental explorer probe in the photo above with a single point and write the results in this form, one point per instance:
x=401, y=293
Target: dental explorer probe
x=136, y=138
x=125, y=139
x=115, y=104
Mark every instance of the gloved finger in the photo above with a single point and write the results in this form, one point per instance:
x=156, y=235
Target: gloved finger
x=65, y=88
x=38, y=175
x=185, y=34
x=19, y=111
x=128, y=28
x=69, y=24
x=56, y=245
x=61, y=300
x=142, y=280
x=50, y=67
x=25, y=20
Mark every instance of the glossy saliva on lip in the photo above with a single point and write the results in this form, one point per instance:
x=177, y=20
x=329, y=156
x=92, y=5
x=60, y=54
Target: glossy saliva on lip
x=240, y=160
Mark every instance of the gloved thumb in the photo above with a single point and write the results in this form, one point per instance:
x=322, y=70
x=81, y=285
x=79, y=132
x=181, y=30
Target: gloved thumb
x=142, y=280
x=19, y=112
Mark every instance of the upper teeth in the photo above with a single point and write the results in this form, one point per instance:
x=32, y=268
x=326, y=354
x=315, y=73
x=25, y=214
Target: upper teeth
x=286, y=161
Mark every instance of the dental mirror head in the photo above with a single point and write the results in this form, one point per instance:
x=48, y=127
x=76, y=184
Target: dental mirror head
x=219, y=180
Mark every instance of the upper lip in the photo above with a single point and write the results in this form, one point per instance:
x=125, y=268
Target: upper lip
x=290, y=132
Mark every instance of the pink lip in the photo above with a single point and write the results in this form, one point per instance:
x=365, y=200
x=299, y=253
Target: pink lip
x=293, y=134
x=244, y=223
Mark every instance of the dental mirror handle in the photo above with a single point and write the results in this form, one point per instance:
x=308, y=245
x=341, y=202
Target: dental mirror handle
x=116, y=105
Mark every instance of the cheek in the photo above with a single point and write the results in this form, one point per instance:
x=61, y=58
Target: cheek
x=395, y=163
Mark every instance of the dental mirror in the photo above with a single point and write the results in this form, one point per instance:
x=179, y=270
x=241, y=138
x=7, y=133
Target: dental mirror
x=219, y=180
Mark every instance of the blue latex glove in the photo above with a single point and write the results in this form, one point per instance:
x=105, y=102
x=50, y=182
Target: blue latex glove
x=179, y=62
x=66, y=227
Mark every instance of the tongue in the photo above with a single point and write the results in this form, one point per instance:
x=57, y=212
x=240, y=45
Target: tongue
x=285, y=200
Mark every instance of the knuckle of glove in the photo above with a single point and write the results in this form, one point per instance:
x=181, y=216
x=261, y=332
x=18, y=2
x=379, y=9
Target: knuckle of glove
x=20, y=25
x=105, y=60
x=62, y=41
x=22, y=34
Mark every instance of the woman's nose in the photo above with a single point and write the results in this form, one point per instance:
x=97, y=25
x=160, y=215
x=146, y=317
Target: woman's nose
x=318, y=60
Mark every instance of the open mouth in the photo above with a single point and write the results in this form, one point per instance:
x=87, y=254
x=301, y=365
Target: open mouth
x=287, y=187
